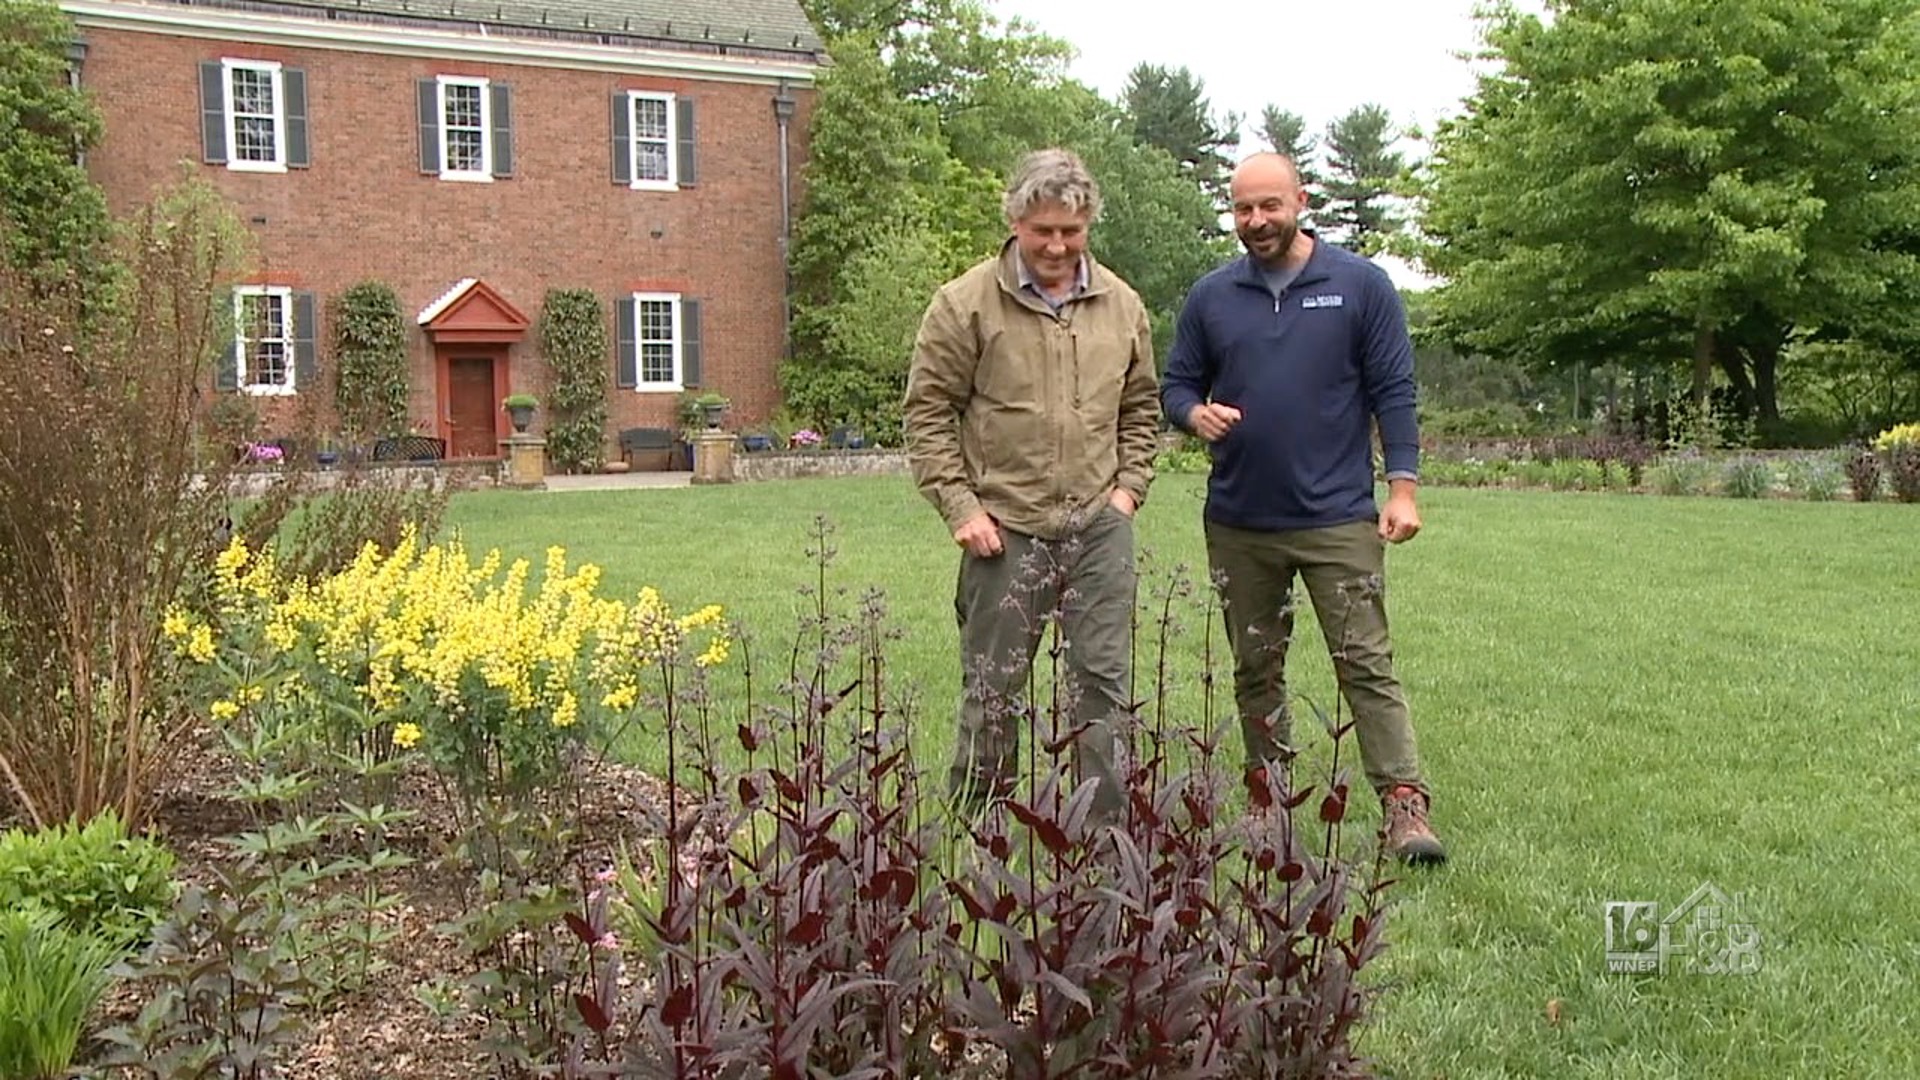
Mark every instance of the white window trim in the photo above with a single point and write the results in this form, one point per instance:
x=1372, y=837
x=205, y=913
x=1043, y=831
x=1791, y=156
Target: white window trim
x=672, y=182
x=241, y=341
x=272, y=67
x=640, y=383
x=484, y=175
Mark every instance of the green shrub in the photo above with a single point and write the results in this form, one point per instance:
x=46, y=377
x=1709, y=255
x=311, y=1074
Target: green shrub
x=1815, y=479
x=1533, y=473
x=99, y=879
x=50, y=976
x=1575, y=474
x=1191, y=456
x=1747, y=478
x=1680, y=474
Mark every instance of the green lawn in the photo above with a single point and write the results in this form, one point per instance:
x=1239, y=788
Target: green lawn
x=1619, y=699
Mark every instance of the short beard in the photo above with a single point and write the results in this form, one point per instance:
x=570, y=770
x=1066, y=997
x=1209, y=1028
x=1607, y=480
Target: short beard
x=1286, y=234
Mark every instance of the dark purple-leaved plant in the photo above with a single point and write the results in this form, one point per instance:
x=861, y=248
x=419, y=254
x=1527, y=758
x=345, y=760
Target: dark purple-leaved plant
x=819, y=914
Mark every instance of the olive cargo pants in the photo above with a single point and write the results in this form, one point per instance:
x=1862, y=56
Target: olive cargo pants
x=1343, y=569
x=1003, y=603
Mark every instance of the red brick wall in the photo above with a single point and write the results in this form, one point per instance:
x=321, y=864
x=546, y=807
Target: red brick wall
x=365, y=211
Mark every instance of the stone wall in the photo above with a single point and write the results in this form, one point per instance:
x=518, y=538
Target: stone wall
x=786, y=464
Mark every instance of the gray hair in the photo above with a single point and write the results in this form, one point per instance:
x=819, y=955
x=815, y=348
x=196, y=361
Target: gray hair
x=1052, y=175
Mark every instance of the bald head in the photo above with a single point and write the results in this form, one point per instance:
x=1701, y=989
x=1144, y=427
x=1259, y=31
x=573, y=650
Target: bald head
x=1267, y=200
x=1265, y=169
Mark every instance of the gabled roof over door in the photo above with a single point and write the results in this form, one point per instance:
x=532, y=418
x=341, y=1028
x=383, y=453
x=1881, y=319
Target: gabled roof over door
x=475, y=313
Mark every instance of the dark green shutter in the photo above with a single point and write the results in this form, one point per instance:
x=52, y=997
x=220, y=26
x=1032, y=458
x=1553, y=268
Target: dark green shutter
x=684, y=136
x=622, y=139
x=627, y=375
x=428, y=92
x=690, y=343
x=226, y=359
x=305, y=365
x=213, y=113
x=502, y=129
x=293, y=83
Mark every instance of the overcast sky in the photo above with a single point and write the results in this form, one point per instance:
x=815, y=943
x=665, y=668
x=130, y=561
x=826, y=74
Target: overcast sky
x=1315, y=60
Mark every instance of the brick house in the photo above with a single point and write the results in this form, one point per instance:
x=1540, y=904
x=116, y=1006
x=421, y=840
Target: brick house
x=473, y=155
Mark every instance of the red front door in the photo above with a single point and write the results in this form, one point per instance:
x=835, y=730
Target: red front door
x=471, y=408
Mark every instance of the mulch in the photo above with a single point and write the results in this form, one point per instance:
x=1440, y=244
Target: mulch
x=383, y=1032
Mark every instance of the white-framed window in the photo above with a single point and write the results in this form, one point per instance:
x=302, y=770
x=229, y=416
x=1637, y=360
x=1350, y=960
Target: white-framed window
x=466, y=127
x=657, y=341
x=263, y=339
x=652, y=137
x=256, y=101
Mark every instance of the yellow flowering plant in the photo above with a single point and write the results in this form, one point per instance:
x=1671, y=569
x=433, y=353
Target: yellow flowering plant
x=1900, y=445
x=492, y=677
x=1900, y=435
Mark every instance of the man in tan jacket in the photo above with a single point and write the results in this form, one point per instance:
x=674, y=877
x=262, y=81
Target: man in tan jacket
x=1031, y=417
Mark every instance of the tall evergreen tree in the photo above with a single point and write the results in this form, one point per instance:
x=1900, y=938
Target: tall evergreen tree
x=1170, y=110
x=1362, y=169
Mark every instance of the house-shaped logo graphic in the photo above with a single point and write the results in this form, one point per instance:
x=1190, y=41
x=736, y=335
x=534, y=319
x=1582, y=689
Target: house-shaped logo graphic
x=1708, y=932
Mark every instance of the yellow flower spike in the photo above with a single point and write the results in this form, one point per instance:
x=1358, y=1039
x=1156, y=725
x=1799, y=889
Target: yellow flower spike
x=176, y=625
x=224, y=710
x=716, y=652
x=200, y=644
x=407, y=735
x=232, y=558
x=568, y=712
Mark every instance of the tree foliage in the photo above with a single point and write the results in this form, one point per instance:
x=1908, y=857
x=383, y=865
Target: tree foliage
x=1286, y=133
x=1170, y=110
x=926, y=108
x=1157, y=230
x=877, y=169
x=1362, y=170
x=54, y=225
x=1678, y=185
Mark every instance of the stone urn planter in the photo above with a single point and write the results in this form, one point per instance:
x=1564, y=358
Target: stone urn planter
x=520, y=411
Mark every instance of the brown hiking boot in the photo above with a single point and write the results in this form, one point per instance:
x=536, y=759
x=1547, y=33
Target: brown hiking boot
x=1404, y=830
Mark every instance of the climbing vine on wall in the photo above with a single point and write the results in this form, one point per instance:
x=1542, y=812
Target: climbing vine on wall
x=573, y=338
x=370, y=362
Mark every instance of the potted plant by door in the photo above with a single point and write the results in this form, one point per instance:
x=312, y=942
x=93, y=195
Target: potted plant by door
x=713, y=408
x=520, y=410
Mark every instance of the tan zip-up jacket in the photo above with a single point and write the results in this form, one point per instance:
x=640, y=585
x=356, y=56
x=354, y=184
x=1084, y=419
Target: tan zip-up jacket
x=1030, y=416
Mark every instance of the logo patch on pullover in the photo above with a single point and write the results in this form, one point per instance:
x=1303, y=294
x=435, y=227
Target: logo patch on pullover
x=1323, y=300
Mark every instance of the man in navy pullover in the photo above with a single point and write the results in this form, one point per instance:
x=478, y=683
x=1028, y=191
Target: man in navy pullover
x=1284, y=361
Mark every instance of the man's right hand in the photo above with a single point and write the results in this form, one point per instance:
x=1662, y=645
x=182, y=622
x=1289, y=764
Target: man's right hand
x=980, y=535
x=1211, y=420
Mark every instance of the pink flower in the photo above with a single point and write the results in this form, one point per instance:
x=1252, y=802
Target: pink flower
x=609, y=941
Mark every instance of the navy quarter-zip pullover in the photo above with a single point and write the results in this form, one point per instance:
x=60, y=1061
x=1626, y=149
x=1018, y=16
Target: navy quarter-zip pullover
x=1309, y=369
